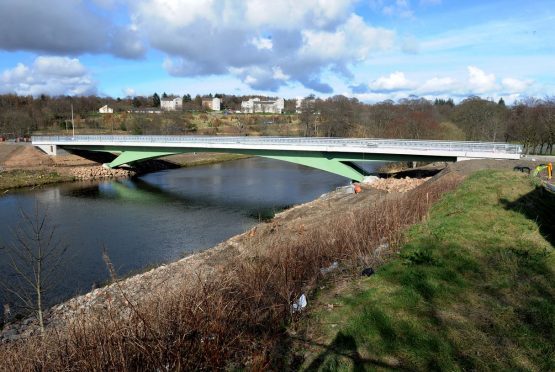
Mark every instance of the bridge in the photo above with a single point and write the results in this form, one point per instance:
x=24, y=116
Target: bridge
x=335, y=155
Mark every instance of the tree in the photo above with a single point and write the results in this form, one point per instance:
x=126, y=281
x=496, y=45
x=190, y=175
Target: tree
x=35, y=258
x=156, y=100
x=136, y=102
x=198, y=102
x=501, y=102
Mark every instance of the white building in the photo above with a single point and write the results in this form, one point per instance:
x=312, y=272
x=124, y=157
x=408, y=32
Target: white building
x=257, y=105
x=171, y=104
x=106, y=110
x=211, y=103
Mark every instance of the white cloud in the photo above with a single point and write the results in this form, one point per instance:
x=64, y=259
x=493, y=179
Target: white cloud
x=438, y=85
x=476, y=82
x=59, y=66
x=397, y=8
x=354, y=40
x=48, y=75
x=129, y=92
x=512, y=85
x=395, y=81
x=249, y=38
x=262, y=43
x=279, y=75
x=18, y=73
x=479, y=81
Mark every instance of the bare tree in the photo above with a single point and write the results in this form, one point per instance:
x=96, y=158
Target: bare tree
x=35, y=257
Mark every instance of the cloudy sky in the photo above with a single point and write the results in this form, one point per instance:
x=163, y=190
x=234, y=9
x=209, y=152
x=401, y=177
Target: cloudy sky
x=369, y=49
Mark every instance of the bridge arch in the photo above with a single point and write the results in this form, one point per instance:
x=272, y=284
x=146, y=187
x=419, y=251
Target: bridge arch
x=341, y=165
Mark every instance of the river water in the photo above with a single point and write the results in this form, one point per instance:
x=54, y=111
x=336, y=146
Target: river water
x=156, y=218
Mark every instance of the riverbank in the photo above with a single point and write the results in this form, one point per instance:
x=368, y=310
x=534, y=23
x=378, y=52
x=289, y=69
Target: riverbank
x=300, y=240
x=229, y=304
x=473, y=288
x=297, y=219
x=22, y=165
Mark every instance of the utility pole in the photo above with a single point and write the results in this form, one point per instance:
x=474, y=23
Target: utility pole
x=72, y=123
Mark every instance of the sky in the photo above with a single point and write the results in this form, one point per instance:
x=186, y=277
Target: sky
x=373, y=50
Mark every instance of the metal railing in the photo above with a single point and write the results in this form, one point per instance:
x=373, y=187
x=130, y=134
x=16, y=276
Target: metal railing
x=495, y=147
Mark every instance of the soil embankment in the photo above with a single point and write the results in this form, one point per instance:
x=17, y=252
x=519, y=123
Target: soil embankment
x=23, y=165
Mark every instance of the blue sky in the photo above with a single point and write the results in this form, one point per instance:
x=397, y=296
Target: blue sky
x=369, y=49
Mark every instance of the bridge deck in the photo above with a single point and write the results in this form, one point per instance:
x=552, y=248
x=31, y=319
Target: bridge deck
x=449, y=149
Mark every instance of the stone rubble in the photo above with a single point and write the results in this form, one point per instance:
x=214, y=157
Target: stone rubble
x=397, y=184
x=97, y=172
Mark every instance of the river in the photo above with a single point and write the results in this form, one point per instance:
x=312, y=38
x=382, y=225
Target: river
x=156, y=218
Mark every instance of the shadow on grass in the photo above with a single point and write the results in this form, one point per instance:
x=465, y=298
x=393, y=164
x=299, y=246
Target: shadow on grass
x=537, y=205
x=343, y=347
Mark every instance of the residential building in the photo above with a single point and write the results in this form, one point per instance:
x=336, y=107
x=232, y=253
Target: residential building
x=268, y=106
x=171, y=104
x=211, y=103
x=106, y=110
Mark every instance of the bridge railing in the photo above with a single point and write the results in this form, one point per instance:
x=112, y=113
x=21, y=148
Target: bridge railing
x=465, y=146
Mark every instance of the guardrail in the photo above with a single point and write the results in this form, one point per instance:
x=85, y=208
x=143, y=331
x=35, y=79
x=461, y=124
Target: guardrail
x=494, y=147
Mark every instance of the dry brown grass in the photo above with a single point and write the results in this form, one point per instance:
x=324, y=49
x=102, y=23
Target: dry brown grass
x=234, y=316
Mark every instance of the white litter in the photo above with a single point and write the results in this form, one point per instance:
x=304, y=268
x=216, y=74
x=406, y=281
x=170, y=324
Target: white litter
x=330, y=268
x=369, y=179
x=300, y=304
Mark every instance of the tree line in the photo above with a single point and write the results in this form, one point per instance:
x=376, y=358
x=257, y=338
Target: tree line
x=530, y=122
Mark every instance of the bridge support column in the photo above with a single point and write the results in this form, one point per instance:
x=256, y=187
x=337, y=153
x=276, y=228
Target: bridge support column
x=322, y=163
x=128, y=157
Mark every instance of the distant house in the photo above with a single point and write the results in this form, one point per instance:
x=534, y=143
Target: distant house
x=211, y=103
x=171, y=104
x=268, y=106
x=106, y=110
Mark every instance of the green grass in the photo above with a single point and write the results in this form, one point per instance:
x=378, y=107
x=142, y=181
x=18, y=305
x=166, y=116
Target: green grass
x=473, y=288
x=14, y=179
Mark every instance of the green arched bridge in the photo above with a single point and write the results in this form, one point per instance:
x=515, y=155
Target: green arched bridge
x=335, y=155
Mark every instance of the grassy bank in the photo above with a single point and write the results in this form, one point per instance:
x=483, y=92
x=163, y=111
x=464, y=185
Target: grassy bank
x=473, y=289
x=14, y=179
